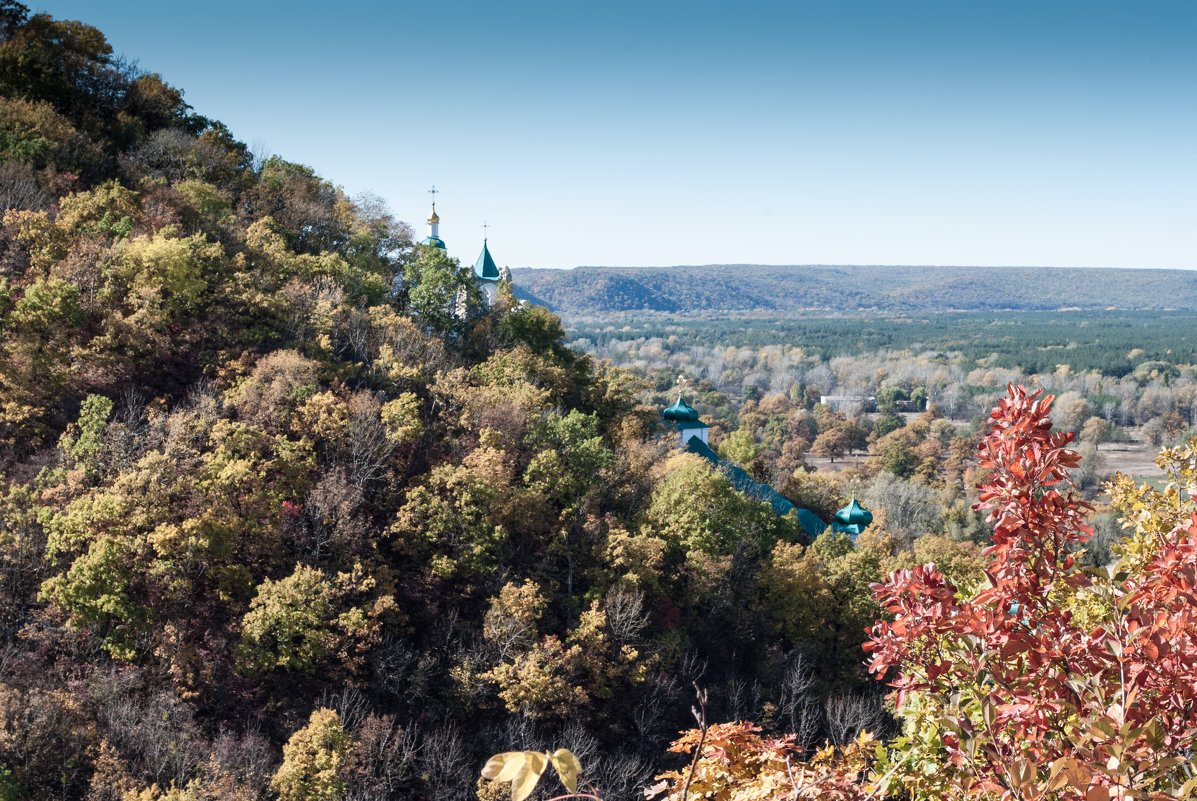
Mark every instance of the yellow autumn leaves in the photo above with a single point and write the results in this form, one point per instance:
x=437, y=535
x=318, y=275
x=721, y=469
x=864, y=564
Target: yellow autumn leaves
x=524, y=768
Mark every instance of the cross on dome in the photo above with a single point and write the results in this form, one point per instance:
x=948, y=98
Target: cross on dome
x=434, y=238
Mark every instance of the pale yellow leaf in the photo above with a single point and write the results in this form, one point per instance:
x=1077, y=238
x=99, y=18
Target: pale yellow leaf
x=513, y=767
x=523, y=784
x=495, y=764
x=537, y=761
x=568, y=768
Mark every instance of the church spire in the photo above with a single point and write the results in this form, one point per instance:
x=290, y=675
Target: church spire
x=485, y=270
x=434, y=224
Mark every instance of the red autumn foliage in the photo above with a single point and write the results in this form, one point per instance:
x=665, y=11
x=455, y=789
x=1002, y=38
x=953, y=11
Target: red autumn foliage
x=1038, y=704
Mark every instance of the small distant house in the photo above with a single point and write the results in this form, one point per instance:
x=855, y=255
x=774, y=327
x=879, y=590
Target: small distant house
x=840, y=403
x=692, y=438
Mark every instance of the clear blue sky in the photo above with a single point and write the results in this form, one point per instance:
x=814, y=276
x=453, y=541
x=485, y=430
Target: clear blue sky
x=1019, y=132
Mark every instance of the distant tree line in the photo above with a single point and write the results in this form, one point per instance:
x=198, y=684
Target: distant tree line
x=851, y=290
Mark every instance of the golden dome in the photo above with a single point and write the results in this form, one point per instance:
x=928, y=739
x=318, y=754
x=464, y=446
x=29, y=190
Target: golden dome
x=434, y=218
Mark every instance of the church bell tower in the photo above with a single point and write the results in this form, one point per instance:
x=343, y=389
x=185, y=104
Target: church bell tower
x=434, y=224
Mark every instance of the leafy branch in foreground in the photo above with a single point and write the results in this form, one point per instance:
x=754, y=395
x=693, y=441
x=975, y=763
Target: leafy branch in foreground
x=736, y=762
x=733, y=762
x=524, y=768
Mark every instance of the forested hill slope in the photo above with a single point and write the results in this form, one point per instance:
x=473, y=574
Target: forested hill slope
x=288, y=511
x=747, y=287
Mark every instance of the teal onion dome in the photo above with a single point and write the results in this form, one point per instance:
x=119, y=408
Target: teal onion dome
x=681, y=412
x=435, y=242
x=854, y=515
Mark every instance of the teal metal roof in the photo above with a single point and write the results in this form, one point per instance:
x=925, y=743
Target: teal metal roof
x=745, y=484
x=485, y=267
x=853, y=518
x=436, y=242
x=681, y=412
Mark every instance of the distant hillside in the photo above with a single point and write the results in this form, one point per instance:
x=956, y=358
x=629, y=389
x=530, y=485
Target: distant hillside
x=748, y=287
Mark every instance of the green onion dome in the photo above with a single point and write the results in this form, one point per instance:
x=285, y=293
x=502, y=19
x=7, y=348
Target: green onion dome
x=854, y=514
x=681, y=412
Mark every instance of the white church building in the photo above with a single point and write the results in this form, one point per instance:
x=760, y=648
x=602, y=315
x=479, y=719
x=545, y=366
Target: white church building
x=486, y=272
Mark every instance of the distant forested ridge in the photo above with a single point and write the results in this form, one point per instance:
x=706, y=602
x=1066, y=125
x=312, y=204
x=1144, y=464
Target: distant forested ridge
x=754, y=287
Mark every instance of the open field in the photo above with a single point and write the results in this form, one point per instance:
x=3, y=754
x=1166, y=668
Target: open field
x=1133, y=458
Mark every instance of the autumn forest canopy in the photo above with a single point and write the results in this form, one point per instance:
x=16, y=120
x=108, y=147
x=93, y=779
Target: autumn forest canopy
x=289, y=511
